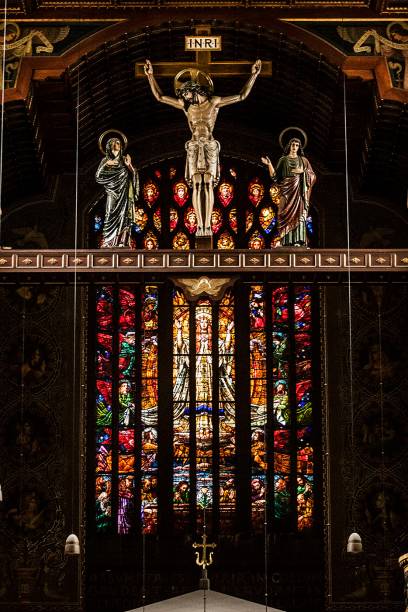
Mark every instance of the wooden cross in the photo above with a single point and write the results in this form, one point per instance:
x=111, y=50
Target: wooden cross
x=203, y=61
x=204, y=562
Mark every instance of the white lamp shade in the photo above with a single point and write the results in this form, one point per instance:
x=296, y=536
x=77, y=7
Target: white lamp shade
x=72, y=546
x=354, y=544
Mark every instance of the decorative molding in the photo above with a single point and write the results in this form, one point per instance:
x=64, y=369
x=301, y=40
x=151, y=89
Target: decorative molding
x=292, y=260
x=366, y=67
x=196, y=288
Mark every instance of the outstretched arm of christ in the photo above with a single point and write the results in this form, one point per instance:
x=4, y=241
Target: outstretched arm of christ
x=157, y=92
x=245, y=91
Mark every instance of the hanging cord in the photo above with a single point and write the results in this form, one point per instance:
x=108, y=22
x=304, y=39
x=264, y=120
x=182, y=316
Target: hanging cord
x=381, y=398
x=22, y=399
x=74, y=342
x=204, y=585
x=266, y=557
x=327, y=447
x=3, y=84
x=349, y=295
x=143, y=567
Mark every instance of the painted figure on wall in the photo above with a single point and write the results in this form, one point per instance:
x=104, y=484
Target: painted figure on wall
x=120, y=180
x=294, y=178
x=194, y=95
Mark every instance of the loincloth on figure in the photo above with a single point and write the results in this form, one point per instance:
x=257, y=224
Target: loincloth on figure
x=203, y=157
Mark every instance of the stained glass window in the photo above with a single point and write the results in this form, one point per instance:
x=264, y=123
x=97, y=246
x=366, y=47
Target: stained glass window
x=282, y=443
x=245, y=211
x=204, y=403
x=258, y=386
x=303, y=352
x=117, y=399
x=104, y=418
x=126, y=406
x=181, y=410
x=227, y=411
x=149, y=407
x=204, y=411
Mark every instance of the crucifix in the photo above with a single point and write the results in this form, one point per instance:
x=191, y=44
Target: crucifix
x=205, y=561
x=194, y=92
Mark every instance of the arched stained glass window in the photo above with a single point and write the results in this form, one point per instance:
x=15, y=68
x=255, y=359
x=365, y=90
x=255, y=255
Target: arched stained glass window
x=209, y=429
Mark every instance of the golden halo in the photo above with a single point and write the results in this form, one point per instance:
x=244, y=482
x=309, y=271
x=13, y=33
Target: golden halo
x=293, y=127
x=193, y=74
x=111, y=131
x=13, y=31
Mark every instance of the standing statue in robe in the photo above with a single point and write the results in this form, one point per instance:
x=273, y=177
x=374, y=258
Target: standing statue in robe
x=195, y=97
x=293, y=180
x=121, y=183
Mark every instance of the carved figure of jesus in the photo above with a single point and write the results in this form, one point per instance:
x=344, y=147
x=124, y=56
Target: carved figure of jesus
x=201, y=108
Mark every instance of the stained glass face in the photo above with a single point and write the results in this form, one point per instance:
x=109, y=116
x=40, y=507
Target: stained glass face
x=180, y=192
x=233, y=221
x=216, y=220
x=190, y=220
x=150, y=242
x=173, y=219
x=256, y=192
x=150, y=193
x=225, y=241
x=225, y=193
x=267, y=219
x=256, y=241
x=181, y=242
